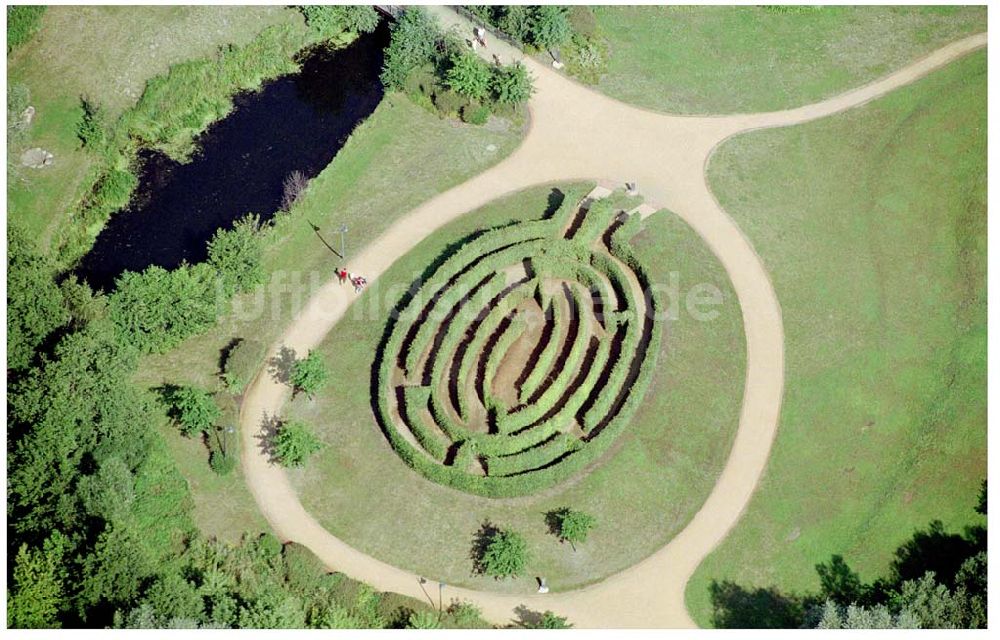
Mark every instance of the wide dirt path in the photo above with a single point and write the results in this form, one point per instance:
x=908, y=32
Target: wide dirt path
x=577, y=134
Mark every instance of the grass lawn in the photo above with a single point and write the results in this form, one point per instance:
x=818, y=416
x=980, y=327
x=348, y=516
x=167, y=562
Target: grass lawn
x=872, y=224
x=743, y=59
x=642, y=492
x=106, y=54
x=399, y=157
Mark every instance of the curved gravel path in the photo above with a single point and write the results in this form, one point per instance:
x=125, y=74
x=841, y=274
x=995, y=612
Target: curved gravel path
x=578, y=134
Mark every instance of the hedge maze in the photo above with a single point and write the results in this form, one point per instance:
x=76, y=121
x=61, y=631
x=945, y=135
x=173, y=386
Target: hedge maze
x=524, y=353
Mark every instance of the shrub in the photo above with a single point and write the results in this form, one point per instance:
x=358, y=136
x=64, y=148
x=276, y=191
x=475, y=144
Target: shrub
x=194, y=409
x=292, y=188
x=294, y=443
x=571, y=526
x=549, y=26
x=511, y=85
x=505, y=555
x=414, y=38
x=474, y=113
x=23, y=22
x=242, y=363
x=92, y=125
x=113, y=190
x=448, y=103
x=329, y=21
x=221, y=463
x=469, y=76
x=156, y=309
x=236, y=255
x=309, y=374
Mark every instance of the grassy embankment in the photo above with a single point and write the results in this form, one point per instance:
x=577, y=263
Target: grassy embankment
x=743, y=59
x=160, y=75
x=872, y=225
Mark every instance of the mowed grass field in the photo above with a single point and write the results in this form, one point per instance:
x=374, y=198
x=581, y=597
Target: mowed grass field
x=399, y=157
x=872, y=224
x=642, y=493
x=742, y=59
x=105, y=54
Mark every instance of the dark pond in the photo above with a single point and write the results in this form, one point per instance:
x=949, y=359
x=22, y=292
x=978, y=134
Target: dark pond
x=295, y=123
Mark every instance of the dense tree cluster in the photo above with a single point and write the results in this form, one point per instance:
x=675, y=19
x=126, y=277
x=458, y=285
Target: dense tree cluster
x=571, y=30
x=937, y=580
x=439, y=70
x=329, y=21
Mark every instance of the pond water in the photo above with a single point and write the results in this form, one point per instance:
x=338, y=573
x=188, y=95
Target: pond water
x=294, y=123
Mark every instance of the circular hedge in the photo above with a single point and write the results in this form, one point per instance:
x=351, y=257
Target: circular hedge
x=522, y=355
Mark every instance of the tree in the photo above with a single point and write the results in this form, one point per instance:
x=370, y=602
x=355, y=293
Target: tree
x=414, y=38
x=156, y=309
x=506, y=555
x=37, y=584
x=294, y=443
x=423, y=620
x=309, y=374
x=511, y=85
x=330, y=21
x=236, y=255
x=549, y=26
x=550, y=620
x=571, y=526
x=242, y=360
x=34, y=304
x=469, y=76
x=91, y=128
x=194, y=409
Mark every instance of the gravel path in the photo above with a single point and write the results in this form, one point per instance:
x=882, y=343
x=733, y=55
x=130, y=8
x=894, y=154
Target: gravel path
x=577, y=134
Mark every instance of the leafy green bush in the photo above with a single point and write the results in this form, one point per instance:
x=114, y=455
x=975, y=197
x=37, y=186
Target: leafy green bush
x=549, y=26
x=294, y=443
x=242, y=363
x=475, y=113
x=194, y=409
x=309, y=374
x=221, y=463
x=236, y=255
x=469, y=76
x=511, y=85
x=156, y=309
x=92, y=128
x=505, y=555
x=570, y=525
x=23, y=22
x=449, y=103
x=330, y=21
x=412, y=44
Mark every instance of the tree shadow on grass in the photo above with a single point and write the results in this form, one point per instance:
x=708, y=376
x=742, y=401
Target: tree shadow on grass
x=280, y=366
x=480, y=542
x=736, y=607
x=269, y=426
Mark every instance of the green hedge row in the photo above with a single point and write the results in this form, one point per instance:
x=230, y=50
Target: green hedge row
x=514, y=330
x=415, y=402
x=456, y=330
x=597, y=219
x=530, y=459
x=540, y=370
x=542, y=405
x=450, y=287
x=485, y=329
x=620, y=369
